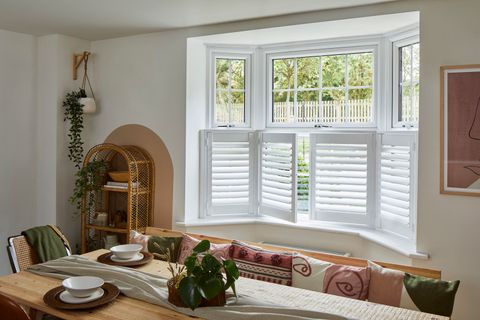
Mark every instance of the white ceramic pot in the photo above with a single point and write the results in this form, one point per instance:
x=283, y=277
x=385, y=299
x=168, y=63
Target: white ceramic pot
x=89, y=105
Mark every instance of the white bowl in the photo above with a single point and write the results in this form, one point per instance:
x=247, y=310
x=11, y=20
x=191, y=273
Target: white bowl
x=82, y=287
x=126, y=251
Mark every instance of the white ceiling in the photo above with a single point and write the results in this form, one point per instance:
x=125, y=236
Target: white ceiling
x=365, y=26
x=101, y=19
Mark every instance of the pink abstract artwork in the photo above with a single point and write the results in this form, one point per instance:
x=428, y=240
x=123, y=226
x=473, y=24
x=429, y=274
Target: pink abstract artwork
x=462, y=130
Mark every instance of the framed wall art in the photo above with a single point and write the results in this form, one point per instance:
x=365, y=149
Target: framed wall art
x=460, y=130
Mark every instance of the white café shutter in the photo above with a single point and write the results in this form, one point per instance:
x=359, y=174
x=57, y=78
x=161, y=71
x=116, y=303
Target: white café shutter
x=228, y=170
x=342, y=177
x=278, y=175
x=397, y=183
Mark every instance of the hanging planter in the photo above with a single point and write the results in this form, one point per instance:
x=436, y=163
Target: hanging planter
x=88, y=103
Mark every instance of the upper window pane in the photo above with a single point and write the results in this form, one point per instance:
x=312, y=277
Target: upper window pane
x=330, y=89
x=409, y=87
x=333, y=71
x=360, y=70
x=283, y=73
x=229, y=92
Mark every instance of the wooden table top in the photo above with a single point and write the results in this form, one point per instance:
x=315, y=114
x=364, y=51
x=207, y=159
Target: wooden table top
x=28, y=289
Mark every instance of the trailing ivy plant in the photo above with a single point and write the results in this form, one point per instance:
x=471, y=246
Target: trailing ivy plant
x=89, y=180
x=73, y=113
x=204, y=277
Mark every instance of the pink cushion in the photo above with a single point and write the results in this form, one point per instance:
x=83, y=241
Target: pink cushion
x=347, y=281
x=138, y=238
x=186, y=247
x=219, y=251
x=386, y=285
x=264, y=265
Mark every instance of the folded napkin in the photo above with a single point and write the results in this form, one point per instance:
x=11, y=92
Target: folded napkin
x=146, y=287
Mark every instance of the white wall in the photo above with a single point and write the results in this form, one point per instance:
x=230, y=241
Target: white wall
x=17, y=137
x=142, y=80
x=55, y=172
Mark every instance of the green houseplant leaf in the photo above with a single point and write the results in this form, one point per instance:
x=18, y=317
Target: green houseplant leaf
x=189, y=293
x=204, y=278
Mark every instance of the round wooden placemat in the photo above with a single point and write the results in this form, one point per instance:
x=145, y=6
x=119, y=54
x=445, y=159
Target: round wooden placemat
x=52, y=298
x=105, y=258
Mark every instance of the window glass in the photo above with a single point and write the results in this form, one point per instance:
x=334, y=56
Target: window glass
x=409, y=84
x=229, y=92
x=331, y=90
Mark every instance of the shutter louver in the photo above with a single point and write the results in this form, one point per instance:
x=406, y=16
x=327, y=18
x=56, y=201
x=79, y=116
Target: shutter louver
x=278, y=175
x=340, y=168
x=396, y=183
x=229, y=163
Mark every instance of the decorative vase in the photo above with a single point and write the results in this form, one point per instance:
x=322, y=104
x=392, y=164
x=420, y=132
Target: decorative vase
x=175, y=299
x=89, y=105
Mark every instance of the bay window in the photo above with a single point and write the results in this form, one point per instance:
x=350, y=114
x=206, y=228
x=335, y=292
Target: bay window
x=324, y=153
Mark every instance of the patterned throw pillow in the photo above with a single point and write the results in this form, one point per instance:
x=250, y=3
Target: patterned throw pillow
x=138, y=238
x=347, y=281
x=164, y=248
x=219, y=251
x=308, y=273
x=264, y=265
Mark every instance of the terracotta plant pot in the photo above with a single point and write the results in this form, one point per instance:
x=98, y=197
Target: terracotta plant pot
x=175, y=299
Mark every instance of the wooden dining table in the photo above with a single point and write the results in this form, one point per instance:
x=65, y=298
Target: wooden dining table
x=28, y=289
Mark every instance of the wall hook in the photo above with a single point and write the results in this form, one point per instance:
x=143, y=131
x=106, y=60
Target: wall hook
x=78, y=58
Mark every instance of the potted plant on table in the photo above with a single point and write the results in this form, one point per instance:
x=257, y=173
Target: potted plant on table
x=202, y=282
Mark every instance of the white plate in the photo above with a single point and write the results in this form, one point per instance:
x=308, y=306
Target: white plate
x=138, y=257
x=66, y=297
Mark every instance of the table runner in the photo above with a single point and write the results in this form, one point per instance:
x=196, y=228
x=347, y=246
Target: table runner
x=153, y=289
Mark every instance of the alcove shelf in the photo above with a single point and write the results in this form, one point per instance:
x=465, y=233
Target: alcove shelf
x=119, y=206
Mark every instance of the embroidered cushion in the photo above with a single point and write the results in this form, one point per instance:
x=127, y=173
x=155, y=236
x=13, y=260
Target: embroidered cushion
x=347, y=281
x=219, y=251
x=186, y=247
x=138, y=238
x=257, y=263
x=308, y=273
x=164, y=248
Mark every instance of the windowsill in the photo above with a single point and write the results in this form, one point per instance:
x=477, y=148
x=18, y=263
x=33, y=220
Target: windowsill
x=385, y=239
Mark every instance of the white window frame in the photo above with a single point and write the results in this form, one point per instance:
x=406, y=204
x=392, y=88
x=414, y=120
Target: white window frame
x=397, y=45
x=242, y=53
x=323, y=51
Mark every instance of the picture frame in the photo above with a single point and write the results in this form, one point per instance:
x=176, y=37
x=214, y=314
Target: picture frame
x=460, y=130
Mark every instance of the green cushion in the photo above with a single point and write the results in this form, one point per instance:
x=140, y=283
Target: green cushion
x=431, y=295
x=162, y=247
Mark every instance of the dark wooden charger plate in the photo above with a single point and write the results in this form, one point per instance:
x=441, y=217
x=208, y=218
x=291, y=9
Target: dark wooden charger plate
x=52, y=298
x=105, y=258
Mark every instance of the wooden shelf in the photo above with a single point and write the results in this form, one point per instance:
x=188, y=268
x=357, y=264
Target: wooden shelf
x=109, y=229
x=134, y=190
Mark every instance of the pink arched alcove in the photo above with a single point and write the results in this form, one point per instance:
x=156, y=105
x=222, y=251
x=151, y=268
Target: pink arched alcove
x=138, y=135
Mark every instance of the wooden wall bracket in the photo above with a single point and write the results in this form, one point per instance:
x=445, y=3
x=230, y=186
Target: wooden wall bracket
x=78, y=58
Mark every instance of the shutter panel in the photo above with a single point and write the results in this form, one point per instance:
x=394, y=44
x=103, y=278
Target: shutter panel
x=341, y=168
x=278, y=180
x=396, y=194
x=229, y=163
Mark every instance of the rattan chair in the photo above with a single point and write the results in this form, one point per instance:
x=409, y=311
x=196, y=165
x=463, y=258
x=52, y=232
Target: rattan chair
x=10, y=310
x=22, y=255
